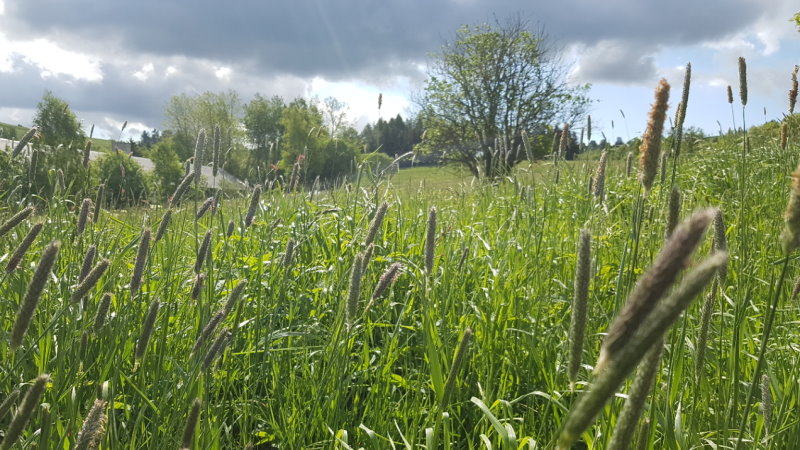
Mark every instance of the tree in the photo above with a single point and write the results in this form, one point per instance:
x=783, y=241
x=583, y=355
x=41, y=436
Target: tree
x=168, y=170
x=186, y=115
x=262, y=122
x=797, y=20
x=488, y=86
x=124, y=179
x=57, y=124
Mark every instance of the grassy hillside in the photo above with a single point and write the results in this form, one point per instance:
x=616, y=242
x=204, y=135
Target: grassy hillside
x=308, y=353
x=15, y=132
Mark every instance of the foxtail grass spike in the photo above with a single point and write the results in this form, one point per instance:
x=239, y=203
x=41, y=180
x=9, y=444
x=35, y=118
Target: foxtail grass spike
x=15, y=220
x=234, y=296
x=673, y=210
x=88, y=262
x=563, y=144
x=215, y=151
x=208, y=330
x=34, y=292
x=599, y=180
x=743, y=80
x=163, y=225
x=793, y=90
x=651, y=141
x=654, y=284
x=577, y=325
x=766, y=403
x=191, y=421
x=251, y=210
x=87, y=152
x=589, y=128
x=25, y=411
x=98, y=203
x=629, y=164
x=387, y=278
x=204, y=208
x=376, y=223
x=198, y=154
x=102, y=312
x=430, y=241
x=230, y=228
x=455, y=368
x=83, y=215
x=216, y=348
x=147, y=329
x=288, y=257
x=197, y=286
x=19, y=253
x=790, y=237
x=680, y=111
x=139, y=263
x=620, y=364
x=94, y=427
x=202, y=252
x=367, y=257
x=730, y=94
x=26, y=139
x=90, y=281
x=181, y=189
x=640, y=389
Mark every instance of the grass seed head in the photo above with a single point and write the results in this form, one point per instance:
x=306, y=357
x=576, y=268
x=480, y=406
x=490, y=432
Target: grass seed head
x=563, y=144
x=577, y=326
x=766, y=403
x=15, y=220
x=288, y=257
x=651, y=142
x=376, y=223
x=208, y=330
x=191, y=419
x=163, y=225
x=139, y=263
x=215, y=151
x=234, y=296
x=217, y=347
x=181, y=189
x=673, y=210
x=654, y=283
x=790, y=237
x=204, y=208
x=25, y=411
x=94, y=427
x=198, y=154
x=599, y=179
x=743, y=80
x=5, y=407
x=730, y=94
x=147, y=329
x=202, y=252
x=197, y=286
x=102, y=312
x=90, y=280
x=34, y=292
x=793, y=90
x=19, y=253
x=251, y=211
x=86, y=154
x=386, y=279
x=88, y=262
x=26, y=139
x=83, y=215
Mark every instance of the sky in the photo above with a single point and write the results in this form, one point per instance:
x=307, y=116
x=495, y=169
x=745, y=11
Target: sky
x=117, y=61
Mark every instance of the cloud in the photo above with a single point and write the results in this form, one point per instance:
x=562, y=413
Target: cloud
x=615, y=61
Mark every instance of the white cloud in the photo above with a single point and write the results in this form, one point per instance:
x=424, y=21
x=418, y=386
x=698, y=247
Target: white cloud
x=171, y=70
x=50, y=59
x=362, y=99
x=223, y=73
x=144, y=73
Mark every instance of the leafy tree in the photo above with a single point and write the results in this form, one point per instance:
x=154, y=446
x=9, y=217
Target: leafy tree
x=168, y=170
x=262, y=122
x=797, y=20
x=334, y=115
x=57, y=124
x=488, y=86
x=123, y=177
x=186, y=115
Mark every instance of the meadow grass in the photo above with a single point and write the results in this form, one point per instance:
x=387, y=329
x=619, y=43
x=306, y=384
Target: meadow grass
x=465, y=346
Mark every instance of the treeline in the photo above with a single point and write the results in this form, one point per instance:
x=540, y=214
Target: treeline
x=268, y=137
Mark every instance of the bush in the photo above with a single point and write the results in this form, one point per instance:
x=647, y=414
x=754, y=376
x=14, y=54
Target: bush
x=168, y=171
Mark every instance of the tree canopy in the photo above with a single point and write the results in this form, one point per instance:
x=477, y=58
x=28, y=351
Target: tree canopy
x=57, y=123
x=490, y=87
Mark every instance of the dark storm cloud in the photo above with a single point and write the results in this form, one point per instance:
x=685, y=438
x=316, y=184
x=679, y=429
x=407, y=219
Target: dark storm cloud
x=352, y=38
